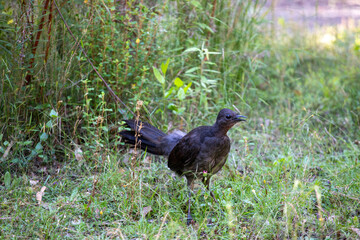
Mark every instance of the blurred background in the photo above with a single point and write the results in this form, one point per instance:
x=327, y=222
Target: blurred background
x=315, y=13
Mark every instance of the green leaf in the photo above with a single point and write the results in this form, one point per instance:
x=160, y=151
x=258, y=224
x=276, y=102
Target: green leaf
x=204, y=26
x=49, y=124
x=172, y=107
x=28, y=142
x=167, y=94
x=159, y=111
x=43, y=136
x=193, y=49
x=53, y=113
x=180, y=110
x=7, y=180
x=74, y=194
x=196, y=4
x=178, y=82
x=192, y=70
x=158, y=76
x=38, y=147
x=181, y=94
x=164, y=66
x=187, y=87
x=210, y=70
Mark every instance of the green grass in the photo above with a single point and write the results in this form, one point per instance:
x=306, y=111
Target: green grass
x=293, y=170
x=275, y=186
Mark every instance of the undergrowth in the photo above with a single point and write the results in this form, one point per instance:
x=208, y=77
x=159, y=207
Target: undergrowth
x=293, y=169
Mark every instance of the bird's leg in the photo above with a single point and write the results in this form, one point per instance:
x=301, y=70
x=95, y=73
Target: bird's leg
x=206, y=181
x=190, y=183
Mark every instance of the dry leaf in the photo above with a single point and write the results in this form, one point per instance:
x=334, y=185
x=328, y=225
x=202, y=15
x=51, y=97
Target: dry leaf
x=78, y=154
x=356, y=230
x=40, y=194
x=33, y=182
x=76, y=222
x=146, y=210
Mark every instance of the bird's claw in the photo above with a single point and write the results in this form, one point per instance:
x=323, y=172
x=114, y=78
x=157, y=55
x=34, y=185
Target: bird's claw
x=190, y=221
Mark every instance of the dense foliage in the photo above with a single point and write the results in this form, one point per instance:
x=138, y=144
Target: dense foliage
x=293, y=170
x=50, y=88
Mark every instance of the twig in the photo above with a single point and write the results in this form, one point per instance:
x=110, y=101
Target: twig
x=212, y=24
x=49, y=31
x=6, y=153
x=332, y=137
x=37, y=39
x=162, y=224
x=92, y=65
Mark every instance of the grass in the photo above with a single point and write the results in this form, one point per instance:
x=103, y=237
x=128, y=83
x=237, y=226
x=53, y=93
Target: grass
x=274, y=186
x=292, y=173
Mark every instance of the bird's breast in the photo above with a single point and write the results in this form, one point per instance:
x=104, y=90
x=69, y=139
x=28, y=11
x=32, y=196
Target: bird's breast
x=213, y=154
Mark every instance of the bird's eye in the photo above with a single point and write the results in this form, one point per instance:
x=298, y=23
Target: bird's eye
x=228, y=116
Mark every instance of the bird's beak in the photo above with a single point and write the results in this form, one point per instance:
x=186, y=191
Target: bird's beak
x=240, y=118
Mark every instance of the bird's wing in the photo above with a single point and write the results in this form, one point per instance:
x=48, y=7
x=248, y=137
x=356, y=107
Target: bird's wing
x=185, y=152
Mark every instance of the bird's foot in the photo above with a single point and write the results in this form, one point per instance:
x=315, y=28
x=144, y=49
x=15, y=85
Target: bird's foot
x=190, y=221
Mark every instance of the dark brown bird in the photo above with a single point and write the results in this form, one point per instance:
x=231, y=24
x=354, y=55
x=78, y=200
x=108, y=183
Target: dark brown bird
x=199, y=154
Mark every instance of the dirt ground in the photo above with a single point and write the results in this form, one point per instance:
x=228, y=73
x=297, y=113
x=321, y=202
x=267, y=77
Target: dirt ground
x=313, y=13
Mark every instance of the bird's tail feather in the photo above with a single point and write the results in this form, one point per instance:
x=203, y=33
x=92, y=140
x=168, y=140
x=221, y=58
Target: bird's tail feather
x=148, y=137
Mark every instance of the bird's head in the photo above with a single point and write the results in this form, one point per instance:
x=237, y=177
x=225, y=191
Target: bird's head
x=228, y=118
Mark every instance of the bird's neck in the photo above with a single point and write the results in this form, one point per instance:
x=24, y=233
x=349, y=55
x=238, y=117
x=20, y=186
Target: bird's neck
x=220, y=130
